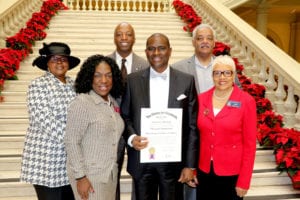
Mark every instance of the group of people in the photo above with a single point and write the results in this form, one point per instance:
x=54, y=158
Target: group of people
x=78, y=130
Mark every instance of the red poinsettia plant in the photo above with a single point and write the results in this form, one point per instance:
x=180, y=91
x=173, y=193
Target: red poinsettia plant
x=187, y=14
x=287, y=153
x=20, y=45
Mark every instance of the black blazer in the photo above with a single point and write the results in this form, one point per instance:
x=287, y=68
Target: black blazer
x=137, y=97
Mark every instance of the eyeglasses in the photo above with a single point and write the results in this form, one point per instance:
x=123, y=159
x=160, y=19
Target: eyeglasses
x=159, y=48
x=226, y=73
x=56, y=59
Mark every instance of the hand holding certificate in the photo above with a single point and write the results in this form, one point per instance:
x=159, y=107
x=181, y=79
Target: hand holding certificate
x=162, y=128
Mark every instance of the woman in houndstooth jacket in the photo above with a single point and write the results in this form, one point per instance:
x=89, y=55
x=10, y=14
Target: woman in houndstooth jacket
x=44, y=156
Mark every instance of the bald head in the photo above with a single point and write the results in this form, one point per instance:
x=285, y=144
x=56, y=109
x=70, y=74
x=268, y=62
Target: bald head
x=124, y=38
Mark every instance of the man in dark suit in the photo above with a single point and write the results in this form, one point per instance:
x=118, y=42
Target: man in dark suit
x=124, y=39
x=160, y=87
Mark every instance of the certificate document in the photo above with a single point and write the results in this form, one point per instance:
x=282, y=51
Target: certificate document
x=162, y=127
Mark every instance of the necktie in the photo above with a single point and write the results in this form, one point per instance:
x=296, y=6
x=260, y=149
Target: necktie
x=123, y=70
x=159, y=75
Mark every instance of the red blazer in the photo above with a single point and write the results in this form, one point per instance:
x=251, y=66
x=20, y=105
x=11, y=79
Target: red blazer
x=229, y=138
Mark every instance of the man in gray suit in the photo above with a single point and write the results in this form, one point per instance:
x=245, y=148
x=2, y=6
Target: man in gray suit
x=124, y=39
x=200, y=65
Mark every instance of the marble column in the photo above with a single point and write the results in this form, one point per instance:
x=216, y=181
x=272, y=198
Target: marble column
x=262, y=17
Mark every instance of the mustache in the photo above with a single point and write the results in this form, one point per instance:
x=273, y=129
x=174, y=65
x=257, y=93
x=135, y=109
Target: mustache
x=206, y=45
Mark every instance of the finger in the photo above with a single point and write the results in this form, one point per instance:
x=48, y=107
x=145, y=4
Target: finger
x=191, y=184
x=196, y=180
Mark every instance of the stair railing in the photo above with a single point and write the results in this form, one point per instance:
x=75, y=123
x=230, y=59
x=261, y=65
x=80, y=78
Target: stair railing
x=264, y=62
x=15, y=17
x=120, y=5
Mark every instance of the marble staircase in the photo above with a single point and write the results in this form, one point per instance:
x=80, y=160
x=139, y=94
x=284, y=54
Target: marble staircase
x=90, y=33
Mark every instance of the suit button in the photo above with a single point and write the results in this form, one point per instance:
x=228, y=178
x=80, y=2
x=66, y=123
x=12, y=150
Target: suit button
x=213, y=134
x=212, y=146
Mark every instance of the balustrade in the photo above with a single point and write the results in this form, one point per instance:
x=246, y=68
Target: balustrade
x=120, y=5
x=15, y=18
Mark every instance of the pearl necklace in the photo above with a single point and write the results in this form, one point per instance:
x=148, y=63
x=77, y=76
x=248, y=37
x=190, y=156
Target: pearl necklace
x=224, y=97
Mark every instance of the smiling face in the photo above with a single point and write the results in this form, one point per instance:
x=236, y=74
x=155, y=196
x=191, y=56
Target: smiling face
x=124, y=39
x=204, y=42
x=223, y=76
x=103, y=80
x=58, y=66
x=158, y=52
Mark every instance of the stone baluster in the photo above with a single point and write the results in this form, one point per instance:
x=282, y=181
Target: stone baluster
x=90, y=5
x=255, y=68
x=297, y=118
x=167, y=5
x=280, y=95
x=146, y=7
x=271, y=85
x=109, y=7
x=134, y=6
x=262, y=76
x=84, y=5
x=97, y=5
x=290, y=108
x=77, y=5
x=158, y=7
x=103, y=5
x=2, y=34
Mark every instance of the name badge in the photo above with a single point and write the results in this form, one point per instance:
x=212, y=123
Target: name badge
x=235, y=104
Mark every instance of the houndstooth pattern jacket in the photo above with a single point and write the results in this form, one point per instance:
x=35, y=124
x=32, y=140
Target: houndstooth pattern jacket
x=44, y=156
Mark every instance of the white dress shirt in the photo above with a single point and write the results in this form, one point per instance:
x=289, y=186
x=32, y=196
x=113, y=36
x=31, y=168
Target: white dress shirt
x=128, y=62
x=159, y=88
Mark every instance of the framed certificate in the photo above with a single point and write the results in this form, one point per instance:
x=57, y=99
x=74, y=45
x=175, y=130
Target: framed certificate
x=162, y=127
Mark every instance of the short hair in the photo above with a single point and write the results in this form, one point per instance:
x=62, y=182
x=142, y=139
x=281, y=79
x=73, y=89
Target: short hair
x=160, y=35
x=225, y=60
x=202, y=26
x=85, y=77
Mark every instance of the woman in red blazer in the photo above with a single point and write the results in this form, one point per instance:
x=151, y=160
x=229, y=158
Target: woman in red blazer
x=227, y=124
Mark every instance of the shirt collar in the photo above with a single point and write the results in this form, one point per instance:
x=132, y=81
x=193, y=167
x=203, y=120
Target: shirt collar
x=119, y=57
x=165, y=74
x=200, y=65
x=98, y=99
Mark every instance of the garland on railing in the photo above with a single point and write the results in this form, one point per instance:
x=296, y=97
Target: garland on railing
x=20, y=45
x=270, y=131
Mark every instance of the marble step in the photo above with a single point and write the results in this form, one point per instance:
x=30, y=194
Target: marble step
x=17, y=125
x=13, y=97
x=16, y=85
x=13, y=111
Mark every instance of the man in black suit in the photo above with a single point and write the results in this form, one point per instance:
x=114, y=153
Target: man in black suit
x=160, y=87
x=124, y=39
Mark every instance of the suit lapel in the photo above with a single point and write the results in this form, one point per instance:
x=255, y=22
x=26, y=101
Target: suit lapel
x=145, y=89
x=192, y=70
x=136, y=65
x=172, y=87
